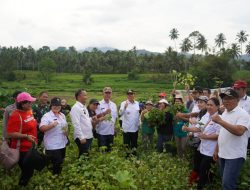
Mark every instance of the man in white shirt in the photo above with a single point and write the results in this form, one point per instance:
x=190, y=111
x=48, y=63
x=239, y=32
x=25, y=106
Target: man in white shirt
x=192, y=103
x=106, y=128
x=129, y=110
x=233, y=137
x=81, y=121
x=241, y=88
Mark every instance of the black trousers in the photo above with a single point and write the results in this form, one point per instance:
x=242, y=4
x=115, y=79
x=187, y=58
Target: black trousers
x=83, y=148
x=40, y=136
x=106, y=140
x=26, y=172
x=204, y=172
x=56, y=157
x=197, y=156
x=130, y=139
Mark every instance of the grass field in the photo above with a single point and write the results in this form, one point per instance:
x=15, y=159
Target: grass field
x=64, y=85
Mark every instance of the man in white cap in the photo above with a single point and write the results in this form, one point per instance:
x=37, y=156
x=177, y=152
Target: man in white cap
x=106, y=128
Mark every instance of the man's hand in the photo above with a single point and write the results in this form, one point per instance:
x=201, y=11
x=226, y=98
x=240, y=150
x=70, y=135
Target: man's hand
x=55, y=123
x=215, y=155
x=216, y=118
x=126, y=104
x=187, y=87
x=108, y=111
x=202, y=136
x=83, y=141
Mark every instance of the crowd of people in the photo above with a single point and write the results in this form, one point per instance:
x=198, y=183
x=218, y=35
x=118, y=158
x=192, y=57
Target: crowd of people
x=213, y=125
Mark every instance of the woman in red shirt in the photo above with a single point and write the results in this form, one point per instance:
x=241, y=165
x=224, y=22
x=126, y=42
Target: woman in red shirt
x=23, y=117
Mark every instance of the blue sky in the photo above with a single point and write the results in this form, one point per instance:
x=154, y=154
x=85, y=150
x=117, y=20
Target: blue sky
x=118, y=23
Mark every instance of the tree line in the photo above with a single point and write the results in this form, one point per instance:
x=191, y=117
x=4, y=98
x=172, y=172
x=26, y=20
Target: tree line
x=201, y=59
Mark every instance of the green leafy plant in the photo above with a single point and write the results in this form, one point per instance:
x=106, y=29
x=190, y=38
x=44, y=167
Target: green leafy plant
x=177, y=108
x=156, y=117
x=183, y=78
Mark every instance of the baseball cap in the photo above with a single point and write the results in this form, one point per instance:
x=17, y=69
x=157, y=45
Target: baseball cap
x=63, y=102
x=162, y=94
x=229, y=92
x=240, y=84
x=55, y=101
x=203, y=98
x=94, y=101
x=25, y=96
x=149, y=102
x=178, y=96
x=164, y=101
x=130, y=91
x=107, y=89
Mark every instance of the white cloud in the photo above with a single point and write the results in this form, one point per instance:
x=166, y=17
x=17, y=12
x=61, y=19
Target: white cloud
x=117, y=23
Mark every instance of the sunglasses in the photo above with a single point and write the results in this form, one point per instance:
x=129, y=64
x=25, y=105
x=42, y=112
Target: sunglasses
x=107, y=92
x=27, y=102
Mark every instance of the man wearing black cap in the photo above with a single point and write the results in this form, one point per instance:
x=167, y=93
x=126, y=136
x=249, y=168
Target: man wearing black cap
x=129, y=110
x=232, y=140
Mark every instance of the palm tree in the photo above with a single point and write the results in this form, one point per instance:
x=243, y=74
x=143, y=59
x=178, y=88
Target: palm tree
x=248, y=49
x=174, y=33
x=242, y=38
x=194, y=35
x=235, y=50
x=201, y=43
x=220, y=40
x=186, y=45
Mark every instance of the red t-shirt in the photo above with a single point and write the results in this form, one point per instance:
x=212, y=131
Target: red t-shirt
x=29, y=126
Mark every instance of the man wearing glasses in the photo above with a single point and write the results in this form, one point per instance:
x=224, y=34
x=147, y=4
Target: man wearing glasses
x=106, y=127
x=232, y=140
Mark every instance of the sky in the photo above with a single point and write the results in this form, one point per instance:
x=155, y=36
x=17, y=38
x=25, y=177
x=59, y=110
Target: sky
x=120, y=24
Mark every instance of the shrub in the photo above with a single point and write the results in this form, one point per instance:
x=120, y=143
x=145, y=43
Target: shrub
x=20, y=76
x=9, y=76
x=87, y=79
x=133, y=75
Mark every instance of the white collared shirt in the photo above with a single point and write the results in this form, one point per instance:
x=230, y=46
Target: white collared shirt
x=54, y=138
x=207, y=146
x=230, y=145
x=195, y=108
x=106, y=127
x=130, y=116
x=244, y=103
x=81, y=121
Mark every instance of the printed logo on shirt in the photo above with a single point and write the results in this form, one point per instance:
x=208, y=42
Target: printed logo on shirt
x=30, y=118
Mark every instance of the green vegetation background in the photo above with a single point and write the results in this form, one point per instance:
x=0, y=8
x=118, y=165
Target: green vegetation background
x=149, y=170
